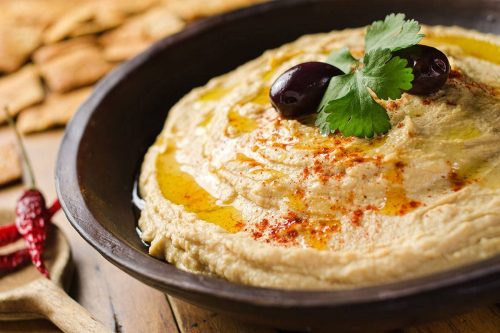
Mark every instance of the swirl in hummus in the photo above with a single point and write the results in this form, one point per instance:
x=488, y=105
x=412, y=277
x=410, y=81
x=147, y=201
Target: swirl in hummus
x=235, y=191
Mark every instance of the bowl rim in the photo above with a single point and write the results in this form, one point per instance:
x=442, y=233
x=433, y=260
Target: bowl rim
x=167, y=277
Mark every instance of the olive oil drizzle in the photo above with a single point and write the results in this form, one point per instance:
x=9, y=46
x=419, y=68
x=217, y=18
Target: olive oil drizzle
x=396, y=199
x=214, y=94
x=477, y=48
x=181, y=188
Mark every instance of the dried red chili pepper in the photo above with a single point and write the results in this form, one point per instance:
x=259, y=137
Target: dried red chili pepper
x=56, y=205
x=8, y=234
x=32, y=220
x=32, y=214
x=13, y=260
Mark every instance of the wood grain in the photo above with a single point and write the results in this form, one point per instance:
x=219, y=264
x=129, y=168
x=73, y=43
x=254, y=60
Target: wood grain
x=483, y=320
x=120, y=302
x=39, y=326
x=191, y=319
x=124, y=304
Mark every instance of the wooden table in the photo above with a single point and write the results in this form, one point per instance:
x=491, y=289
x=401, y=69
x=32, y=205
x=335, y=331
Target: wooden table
x=126, y=305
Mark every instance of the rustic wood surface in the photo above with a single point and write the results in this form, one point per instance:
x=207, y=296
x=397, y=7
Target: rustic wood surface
x=123, y=304
x=26, y=294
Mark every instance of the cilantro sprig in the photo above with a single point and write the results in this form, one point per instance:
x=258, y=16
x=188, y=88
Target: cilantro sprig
x=394, y=33
x=349, y=104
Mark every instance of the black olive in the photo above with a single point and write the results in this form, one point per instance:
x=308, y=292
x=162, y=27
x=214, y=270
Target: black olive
x=299, y=90
x=430, y=68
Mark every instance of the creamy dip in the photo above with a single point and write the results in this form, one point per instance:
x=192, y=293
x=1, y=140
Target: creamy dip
x=233, y=190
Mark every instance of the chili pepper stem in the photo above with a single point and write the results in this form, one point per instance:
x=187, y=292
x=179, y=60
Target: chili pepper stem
x=29, y=176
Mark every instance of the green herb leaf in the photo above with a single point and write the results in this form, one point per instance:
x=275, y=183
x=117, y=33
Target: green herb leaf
x=348, y=106
x=386, y=76
x=355, y=114
x=394, y=33
x=342, y=59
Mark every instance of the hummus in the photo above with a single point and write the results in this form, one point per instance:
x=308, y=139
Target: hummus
x=233, y=190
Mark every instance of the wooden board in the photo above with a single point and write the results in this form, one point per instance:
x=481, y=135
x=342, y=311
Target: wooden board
x=125, y=305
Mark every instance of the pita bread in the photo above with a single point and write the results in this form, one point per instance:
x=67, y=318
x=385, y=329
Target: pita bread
x=193, y=9
x=52, y=51
x=20, y=90
x=94, y=17
x=10, y=165
x=121, y=52
x=139, y=33
x=17, y=42
x=68, y=22
x=40, y=13
x=71, y=65
x=57, y=110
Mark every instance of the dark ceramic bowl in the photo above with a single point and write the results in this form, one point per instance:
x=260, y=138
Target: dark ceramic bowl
x=106, y=141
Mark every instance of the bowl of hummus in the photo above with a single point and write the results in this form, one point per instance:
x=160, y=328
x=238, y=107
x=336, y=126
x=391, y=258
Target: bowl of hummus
x=183, y=170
